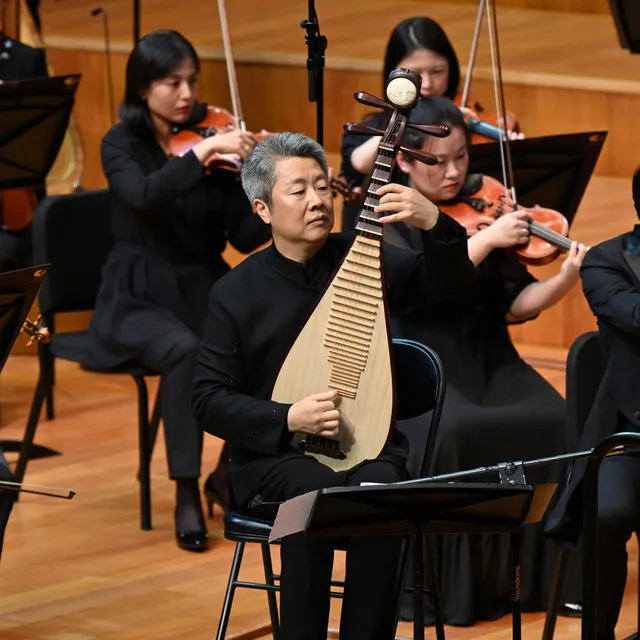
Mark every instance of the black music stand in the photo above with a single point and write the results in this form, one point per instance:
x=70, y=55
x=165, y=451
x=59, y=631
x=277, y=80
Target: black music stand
x=415, y=510
x=34, y=115
x=18, y=291
x=551, y=171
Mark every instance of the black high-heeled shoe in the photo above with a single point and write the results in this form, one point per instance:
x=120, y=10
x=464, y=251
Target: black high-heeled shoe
x=189, y=537
x=216, y=494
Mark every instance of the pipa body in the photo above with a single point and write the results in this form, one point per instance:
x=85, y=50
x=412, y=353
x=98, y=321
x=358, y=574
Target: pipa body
x=345, y=345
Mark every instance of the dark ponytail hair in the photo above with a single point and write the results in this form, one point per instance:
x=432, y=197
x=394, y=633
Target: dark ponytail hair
x=154, y=57
x=421, y=33
x=433, y=111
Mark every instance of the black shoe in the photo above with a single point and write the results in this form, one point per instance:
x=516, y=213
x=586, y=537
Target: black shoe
x=193, y=541
x=216, y=491
x=191, y=530
x=570, y=610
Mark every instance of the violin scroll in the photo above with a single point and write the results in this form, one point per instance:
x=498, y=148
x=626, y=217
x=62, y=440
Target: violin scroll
x=36, y=331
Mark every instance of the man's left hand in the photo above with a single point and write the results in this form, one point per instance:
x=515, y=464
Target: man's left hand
x=406, y=205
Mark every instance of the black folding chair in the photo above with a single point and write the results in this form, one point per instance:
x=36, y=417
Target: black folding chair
x=420, y=388
x=73, y=234
x=585, y=368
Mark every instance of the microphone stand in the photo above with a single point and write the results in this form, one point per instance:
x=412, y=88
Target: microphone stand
x=316, y=45
x=107, y=52
x=136, y=22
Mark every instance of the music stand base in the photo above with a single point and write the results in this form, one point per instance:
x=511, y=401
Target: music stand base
x=37, y=450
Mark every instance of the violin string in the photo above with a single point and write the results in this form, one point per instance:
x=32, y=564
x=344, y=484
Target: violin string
x=550, y=235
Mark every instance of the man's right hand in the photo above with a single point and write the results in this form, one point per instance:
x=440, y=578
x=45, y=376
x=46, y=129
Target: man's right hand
x=317, y=414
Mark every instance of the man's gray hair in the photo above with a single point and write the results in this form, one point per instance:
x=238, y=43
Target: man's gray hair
x=259, y=169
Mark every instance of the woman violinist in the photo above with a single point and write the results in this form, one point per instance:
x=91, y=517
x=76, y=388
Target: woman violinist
x=171, y=220
x=419, y=44
x=497, y=408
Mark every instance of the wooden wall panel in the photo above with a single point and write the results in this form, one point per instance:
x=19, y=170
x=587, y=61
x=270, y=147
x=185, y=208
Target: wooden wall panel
x=275, y=97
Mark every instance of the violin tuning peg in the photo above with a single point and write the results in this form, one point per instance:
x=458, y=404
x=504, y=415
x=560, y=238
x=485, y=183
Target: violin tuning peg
x=371, y=101
x=437, y=130
x=358, y=127
x=421, y=156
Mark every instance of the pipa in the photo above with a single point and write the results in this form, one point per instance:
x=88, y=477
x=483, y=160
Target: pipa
x=345, y=344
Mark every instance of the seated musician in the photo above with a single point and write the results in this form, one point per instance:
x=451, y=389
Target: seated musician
x=611, y=283
x=496, y=407
x=19, y=61
x=255, y=314
x=171, y=220
x=420, y=44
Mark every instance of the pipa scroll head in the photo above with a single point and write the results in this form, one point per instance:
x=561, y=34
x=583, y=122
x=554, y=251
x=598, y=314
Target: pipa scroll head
x=403, y=88
x=403, y=92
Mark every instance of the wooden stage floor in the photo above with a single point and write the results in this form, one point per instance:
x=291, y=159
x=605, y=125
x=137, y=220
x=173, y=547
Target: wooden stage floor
x=82, y=570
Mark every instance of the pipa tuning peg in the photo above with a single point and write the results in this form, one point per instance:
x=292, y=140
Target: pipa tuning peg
x=421, y=156
x=358, y=127
x=437, y=130
x=371, y=101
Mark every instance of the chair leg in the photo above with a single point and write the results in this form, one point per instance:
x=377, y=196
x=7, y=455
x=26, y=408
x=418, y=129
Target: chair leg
x=30, y=430
x=418, y=585
x=47, y=367
x=144, y=473
x=231, y=589
x=271, y=596
x=432, y=583
x=555, y=596
x=155, y=421
x=153, y=428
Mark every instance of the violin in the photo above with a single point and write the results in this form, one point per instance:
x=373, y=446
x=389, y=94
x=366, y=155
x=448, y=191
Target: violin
x=489, y=128
x=215, y=120
x=548, y=229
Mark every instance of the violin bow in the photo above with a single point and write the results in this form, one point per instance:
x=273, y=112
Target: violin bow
x=488, y=6
x=52, y=492
x=231, y=66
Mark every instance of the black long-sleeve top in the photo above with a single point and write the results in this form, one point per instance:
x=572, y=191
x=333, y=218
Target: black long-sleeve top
x=171, y=222
x=257, y=311
x=171, y=207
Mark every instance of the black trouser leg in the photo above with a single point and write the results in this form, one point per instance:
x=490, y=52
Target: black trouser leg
x=368, y=608
x=618, y=518
x=305, y=579
x=175, y=358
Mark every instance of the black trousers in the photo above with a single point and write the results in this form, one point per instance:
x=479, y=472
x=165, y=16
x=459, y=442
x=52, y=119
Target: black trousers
x=618, y=519
x=369, y=604
x=174, y=357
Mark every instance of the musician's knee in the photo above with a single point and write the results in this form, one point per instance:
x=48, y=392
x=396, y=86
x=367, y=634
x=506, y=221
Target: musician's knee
x=617, y=513
x=381, y=471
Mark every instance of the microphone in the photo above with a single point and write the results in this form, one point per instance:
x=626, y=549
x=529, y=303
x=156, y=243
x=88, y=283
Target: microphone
x=258, y=501
x=101, y=11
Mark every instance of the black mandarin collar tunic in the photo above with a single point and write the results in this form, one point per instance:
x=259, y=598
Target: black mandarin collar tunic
x=255, y=315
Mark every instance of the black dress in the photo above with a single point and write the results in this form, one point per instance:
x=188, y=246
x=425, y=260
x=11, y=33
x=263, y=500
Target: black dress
x=497, y=408
x=171, y=222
